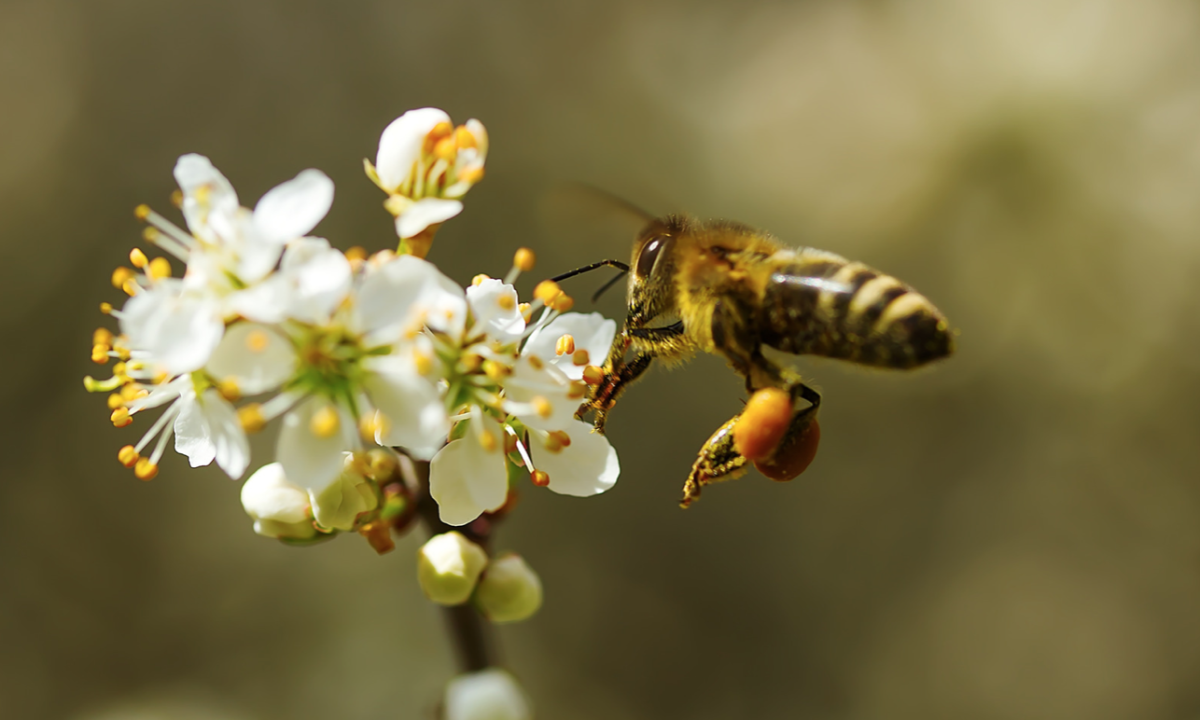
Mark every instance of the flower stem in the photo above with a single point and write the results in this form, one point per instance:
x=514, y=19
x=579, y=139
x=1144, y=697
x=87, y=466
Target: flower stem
x=473, y=641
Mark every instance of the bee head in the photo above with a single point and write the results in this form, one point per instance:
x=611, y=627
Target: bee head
x=652, y=271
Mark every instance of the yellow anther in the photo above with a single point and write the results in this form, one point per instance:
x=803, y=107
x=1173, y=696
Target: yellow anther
x=100, y=354
x=229, y=389
x=161, y=377
x=562, y=437
x=150, y=234
x=593, y=375
x=446, y=149
x=562, y=303
x=106, y=308
x=578, y=390
x=137, y=258
x=463, y=137
x=487, y=439
x=542, y=406
x=131, y=392
x=565, y=345
x=128, y=456
x=539, y=478
x=546, y=291
x=160, y=268
x=526, y=311
x=177, y=198
x=423, y=362
x=141, y=212
x=143, y=469
x=120, y=417
x=524, y=259
x=535, y=362
x=251, y=418
x=115, y=401
x=130, y=287
x=506, y=302
x=122, y=275
x=201, y=194
x=356, y=253
x=495, y=371
x=373, y=426
x=102, y=336
x=120, y=368
x=580, y=358
x=553, y=445
x=471, y=175
x=324, y=422
x=478, y=279
x=257, y=341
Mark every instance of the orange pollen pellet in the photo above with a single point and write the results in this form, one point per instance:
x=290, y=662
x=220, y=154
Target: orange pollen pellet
x=100, y=354
x=144, y=469
x=122, y=275
x=565, y=345
x=251, y=417
x=506, y=302
x=580, y=358
x=539, y=478
x=542, y=406
x=763, y=423
x=593, y=375
x=546, y=291
x=524, y=259
x=141, y=212
x=137, y=258
x=120, y=417
x=128, y=456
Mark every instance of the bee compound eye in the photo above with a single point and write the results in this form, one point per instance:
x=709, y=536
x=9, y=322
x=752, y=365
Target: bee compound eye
x=649, y=255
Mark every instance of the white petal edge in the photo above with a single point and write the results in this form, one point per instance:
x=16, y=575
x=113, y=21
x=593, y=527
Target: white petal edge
x=400, y=144
x=424, y=213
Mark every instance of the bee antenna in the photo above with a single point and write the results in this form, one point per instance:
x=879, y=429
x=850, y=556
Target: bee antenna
x=594, y=266
x=612, y=281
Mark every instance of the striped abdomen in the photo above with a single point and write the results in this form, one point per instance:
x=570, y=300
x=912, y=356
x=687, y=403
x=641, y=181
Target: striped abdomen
x=820, y=304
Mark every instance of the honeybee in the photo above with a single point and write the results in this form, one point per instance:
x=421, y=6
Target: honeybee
x=725, y=288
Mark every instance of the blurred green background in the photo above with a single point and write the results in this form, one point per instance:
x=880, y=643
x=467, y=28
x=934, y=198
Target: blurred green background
x=1012, y=534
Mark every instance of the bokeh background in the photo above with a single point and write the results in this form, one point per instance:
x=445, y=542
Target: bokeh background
x=1012, y=534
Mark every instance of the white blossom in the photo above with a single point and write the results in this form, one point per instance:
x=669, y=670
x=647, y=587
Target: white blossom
x=448, y=566
x=279, y=508
x=469, y=476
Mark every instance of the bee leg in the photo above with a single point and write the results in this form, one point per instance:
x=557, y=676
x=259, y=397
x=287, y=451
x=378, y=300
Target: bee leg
x=718, y=460
x=605, y=395
x=648, y=343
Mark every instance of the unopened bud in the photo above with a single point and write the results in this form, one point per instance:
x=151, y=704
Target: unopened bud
x=510, y=590
x=279, y=508
x=448, y=566
x=490, y=694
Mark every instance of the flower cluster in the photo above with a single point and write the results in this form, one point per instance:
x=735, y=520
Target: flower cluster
x=349, y=352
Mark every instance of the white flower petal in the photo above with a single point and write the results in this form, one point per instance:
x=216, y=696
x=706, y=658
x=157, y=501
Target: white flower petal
x=266, y=302
x=255, y=356
x=592, y=332
x=311, y=460
x=414, y=414
x=481, y=137
x=425, y=212
x=319, y=277
x=394, y=297
x=207, y=428
x=494, y=304
x=295, y=207
x=466, y=480
x=587, y=467
x=530, y=384
x=178, y=331
x=267, y=495
x=490, y=694
x=400, y=145
x=206, y=192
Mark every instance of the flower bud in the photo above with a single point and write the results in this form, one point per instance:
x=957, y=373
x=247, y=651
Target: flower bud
x=279, y=508
x=490, y=694
x=510, y=590
x=337, y=506
x=448, y=566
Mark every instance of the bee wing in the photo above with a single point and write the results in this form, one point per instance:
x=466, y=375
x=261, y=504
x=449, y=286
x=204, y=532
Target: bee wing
x=577, y=215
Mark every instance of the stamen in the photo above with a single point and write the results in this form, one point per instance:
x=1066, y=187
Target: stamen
x=107, y=309
x=250, y=416
x=177, y=198
x=524, y=259
x=161, y=447
x=546, y=291
x=580, y=358
x=115, y=401
x=565, y=345
x=593, y=375
x=229, y=389
x=526, y=311
x=137, y=258
x=128, y=456
x=160, y=268
x=506, y=302
x=535, y=362
x=525, y=459
x=562, y=437
x=446, y=149
x=423, y=362
x=463, y=138
x=257, y=341
x=478, y=279
x=100, y=354
x=471, y=175
x=495, y=371
x=373, y=426
x=324, y=422
x=131, y=287
x=120, y=417
x=102, y=336
x=356, y=253
x=487, y=439
x=167, y=416
x=542, y=406
x=540, y=478
x=122, y=275
x=144, y=469
x=563, y=303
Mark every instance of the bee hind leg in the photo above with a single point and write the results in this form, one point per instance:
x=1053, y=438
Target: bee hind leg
x=719, y=460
